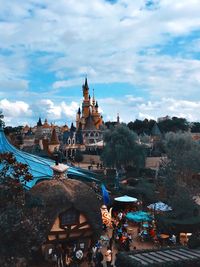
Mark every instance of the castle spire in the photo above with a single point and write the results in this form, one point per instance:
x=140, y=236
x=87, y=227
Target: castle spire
x=86, y=83
x=54, y=138
x=96, y=107
x=118, y=119
x=93, y=99
x=85, y=88
x=39, y=123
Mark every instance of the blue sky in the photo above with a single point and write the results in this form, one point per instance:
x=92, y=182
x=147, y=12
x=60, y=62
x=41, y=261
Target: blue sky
x=142, y=58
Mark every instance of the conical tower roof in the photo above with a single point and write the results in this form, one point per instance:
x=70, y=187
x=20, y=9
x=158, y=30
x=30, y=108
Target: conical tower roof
x=54, y=138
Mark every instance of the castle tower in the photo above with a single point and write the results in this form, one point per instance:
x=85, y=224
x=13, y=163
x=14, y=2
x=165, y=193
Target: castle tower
x=78, y=118
x=85, y=90
x=39, y=123
x=96, y=107
x=86, y=99
x=89, y=118
x=54, y=142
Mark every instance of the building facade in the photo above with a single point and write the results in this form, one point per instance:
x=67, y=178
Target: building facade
x=88, y=119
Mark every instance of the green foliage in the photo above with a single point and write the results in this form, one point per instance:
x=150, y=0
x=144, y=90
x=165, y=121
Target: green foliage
x=194, y=241
x=176, y=177
x=195, y=127
x=13, y=171
x=183, y=158
x=170, y=125
x=174, y=125
x=121, y=148
x=183, y=206
x=78, y=156
x=21, y=221
x=141, y=127
x=142, y=189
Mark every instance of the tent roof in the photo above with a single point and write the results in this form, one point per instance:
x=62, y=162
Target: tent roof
x=126, y=199
x=97, y=144
x=39, y=167
x=159, y=206
x=139, y=216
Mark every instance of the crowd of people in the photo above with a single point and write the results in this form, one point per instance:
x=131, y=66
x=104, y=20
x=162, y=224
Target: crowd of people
x=115, y=237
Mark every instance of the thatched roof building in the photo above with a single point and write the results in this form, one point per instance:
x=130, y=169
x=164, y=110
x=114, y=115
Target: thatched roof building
x=60, y=195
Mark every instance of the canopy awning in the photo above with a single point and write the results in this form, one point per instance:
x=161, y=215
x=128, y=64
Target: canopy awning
x=139, y=216
x=126, y=199
x=97, y=144
x=159, y=206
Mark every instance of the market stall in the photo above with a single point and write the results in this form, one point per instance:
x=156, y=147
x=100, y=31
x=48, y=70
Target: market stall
x=125, y=203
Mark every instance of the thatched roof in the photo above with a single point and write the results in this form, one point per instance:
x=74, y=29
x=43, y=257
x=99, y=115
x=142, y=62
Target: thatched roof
x=59, y=195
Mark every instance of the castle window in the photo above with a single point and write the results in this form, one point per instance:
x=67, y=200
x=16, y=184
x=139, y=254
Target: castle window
x=73, y=141
x=69, y=217
x=69, y=142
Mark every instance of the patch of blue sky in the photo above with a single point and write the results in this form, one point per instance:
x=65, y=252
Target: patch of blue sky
x=181, y=46
x=72, y=93
x=6, y=52
x=152, y=4
x=40, y=79
x=103, y=90
x=36, y=6
x=111, y=1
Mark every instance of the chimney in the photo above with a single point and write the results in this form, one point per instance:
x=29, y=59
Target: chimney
x=59, y=171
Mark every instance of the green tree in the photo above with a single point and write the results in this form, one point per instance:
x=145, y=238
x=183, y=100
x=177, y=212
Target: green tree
x=78, y=156
x=174, y=125
x=141, y=127
x=20, y=217
x=176, y=177
x=121, y=149
x=183, y=158
x=195, y=127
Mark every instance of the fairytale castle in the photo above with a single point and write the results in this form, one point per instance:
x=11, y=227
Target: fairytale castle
x=88, y=120
x=87, y=135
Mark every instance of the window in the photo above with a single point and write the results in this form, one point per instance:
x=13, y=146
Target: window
x=69, y=141
x=69, y=217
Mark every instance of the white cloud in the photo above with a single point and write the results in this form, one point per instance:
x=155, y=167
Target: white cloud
x=60, y=112
x=19, y=112
x=15, y=112
x=150, y=109
x=118, y=42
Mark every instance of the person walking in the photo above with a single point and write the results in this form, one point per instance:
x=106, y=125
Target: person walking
x=108, y=256
x=98, y=258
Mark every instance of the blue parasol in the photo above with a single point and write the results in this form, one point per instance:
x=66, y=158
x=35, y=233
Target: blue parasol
x=139, y=216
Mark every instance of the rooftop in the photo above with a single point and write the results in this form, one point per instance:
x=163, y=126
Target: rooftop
x=39, y=167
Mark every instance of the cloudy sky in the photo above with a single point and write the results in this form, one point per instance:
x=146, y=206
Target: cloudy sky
x=142, y=57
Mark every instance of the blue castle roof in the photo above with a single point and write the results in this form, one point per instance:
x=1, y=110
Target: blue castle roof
x=40, y=168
